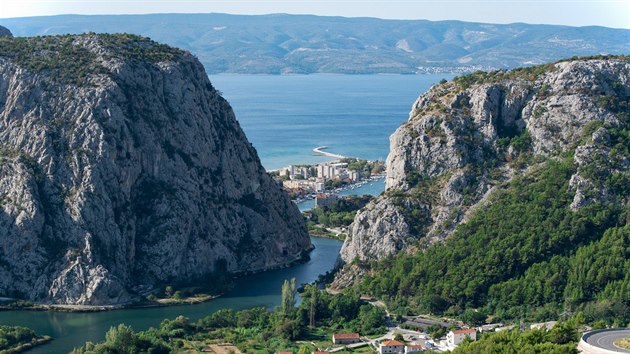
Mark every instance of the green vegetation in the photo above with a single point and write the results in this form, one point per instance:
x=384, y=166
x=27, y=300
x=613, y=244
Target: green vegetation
x=365, y=168
x=526, y=255
x=67, y=59
x=14, y=339
x=530, y=73
x=341, y=213
x=562, y=339
x=255, y=330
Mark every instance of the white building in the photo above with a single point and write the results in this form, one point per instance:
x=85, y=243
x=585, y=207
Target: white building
x=453, y=338
x=415, y=348
x=391, y=347
x=346, y=338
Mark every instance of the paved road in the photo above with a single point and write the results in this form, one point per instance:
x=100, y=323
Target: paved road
x=606, y=339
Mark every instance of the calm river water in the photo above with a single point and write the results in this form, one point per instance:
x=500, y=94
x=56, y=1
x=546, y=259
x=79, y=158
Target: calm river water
x=73, y=329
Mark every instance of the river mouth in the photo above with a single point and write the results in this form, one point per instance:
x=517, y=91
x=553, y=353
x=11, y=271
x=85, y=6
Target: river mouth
x=73, y=329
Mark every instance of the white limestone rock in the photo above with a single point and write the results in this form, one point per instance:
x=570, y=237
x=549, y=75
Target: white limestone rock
x=130, y=170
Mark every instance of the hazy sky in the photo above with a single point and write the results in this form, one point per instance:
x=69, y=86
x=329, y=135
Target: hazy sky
x=610, y=13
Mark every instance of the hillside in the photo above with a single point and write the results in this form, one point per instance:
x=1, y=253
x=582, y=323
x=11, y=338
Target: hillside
x=279, y=43
x=507, y=192
x=122, y=168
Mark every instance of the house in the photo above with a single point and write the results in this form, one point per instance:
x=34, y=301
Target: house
x=453, y=338
x=416, y=348
x=345, y=338
x=391, y=346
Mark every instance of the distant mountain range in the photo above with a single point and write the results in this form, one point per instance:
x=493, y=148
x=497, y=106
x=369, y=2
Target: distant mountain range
x=280, y=43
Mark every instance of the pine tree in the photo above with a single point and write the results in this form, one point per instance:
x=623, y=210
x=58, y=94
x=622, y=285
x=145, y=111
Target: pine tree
x=313, y=304
x=288, y=296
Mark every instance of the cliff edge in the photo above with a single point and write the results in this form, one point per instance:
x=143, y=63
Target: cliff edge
x=121, y=167
x=467, y=137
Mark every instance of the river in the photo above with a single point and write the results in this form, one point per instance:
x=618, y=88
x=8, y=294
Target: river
x=70, y=330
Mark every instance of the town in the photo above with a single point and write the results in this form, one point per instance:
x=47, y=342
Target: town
x=322, y=181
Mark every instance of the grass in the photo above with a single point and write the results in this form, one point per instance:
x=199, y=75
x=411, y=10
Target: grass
x=194, y=299
x=623, y=343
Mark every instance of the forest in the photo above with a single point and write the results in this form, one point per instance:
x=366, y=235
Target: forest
x=526, y=256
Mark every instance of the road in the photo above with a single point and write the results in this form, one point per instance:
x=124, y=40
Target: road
x=605, y=339
x=392, y=329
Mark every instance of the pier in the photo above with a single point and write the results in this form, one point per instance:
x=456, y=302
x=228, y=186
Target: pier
x=320, y=150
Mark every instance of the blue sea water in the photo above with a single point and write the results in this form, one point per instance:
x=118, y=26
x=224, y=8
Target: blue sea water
x=372, y=188
x=285, y=117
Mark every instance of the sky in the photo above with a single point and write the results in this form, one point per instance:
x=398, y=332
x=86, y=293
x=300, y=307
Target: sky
x=609, y=13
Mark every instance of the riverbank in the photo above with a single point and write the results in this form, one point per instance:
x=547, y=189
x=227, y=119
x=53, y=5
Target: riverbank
x=70, y=329
x=143, y=301
x=20, y=348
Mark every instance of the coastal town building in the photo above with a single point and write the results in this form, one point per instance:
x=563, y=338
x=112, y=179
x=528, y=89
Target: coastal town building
x=304, y=181
x=415, y=348
x=453, y=338
x=346, y=338
x=325, y=200
x=391, y=347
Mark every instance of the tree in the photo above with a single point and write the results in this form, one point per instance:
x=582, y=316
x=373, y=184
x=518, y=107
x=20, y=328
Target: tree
x=399, y=337
x=473, y=317
x=288, y=296
x=304, y=349
x=313, y=306
x=168, y=291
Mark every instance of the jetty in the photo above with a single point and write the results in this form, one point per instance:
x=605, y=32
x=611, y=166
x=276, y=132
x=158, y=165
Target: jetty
x=320, y=150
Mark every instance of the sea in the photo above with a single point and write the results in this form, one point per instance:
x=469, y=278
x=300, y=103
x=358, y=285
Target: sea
x=286, y=116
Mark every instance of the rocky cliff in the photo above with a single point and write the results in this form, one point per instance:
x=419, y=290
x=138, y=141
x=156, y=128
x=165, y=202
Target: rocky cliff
x=121, y=167
x=4, y=32
x=468, y=136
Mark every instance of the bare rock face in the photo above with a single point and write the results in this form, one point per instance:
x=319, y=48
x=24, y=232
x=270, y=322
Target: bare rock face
x=120, y=167
x=4, y=32
x=466, y=136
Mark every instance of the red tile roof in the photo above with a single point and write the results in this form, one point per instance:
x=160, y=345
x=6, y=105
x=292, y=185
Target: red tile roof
x=393, y=343
x=465, y=331
x=346, y=335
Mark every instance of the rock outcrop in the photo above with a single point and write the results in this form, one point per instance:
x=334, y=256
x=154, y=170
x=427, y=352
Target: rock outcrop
x=4, y=32
x=121, y=167
x=466, y=136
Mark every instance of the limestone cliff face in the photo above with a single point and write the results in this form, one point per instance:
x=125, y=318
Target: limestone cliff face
x=4, y=32
x=466, y=136
x=120, y=167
